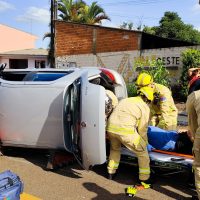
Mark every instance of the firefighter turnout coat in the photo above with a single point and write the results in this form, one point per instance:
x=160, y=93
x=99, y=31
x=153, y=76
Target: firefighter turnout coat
x=193, y=111
x=164, y=113
x=127, y=125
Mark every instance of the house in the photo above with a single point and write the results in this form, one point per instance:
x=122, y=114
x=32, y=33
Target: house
x=13, y=39
x=17, y=49
x=26, y=58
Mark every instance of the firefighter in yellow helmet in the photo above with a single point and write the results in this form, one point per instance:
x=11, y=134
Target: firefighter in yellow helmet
x=127, y=125
x=164, y=113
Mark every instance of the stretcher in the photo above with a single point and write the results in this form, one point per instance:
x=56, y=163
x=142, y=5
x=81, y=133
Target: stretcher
x=168, y=163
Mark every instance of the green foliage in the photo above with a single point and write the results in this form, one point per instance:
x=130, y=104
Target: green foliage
x=156, y=69
x=150, y=30
x=127, y=25
x=171, y=26
x=93, y=14
x=131, y=89
x=78, y=11
x=153, y=67
x=190, y=58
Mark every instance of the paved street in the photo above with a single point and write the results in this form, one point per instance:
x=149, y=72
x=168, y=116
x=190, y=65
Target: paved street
x=73, y=183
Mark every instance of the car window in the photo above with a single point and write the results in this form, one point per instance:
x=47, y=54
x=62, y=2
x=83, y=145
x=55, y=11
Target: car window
x=45, y=76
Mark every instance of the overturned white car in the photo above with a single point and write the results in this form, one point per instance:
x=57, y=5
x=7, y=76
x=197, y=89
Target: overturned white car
x=58, y=109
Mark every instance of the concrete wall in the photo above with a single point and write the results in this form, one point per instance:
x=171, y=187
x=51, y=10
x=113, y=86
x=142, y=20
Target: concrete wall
x=124, y=61
x=88, y=45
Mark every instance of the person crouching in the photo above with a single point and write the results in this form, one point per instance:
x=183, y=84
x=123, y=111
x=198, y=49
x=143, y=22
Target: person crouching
x=128, y=125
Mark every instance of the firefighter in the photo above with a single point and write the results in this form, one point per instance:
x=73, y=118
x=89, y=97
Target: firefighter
x=111, y=102
x=194, y=79
x=127, y=125
x=193, y=111
x=164, y=113
x=113, y=97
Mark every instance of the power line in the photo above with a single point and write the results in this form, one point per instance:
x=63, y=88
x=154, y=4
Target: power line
x=130, y=16
x=134, y=2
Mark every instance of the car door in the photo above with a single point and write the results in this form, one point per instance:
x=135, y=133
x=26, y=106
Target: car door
x=84, y=122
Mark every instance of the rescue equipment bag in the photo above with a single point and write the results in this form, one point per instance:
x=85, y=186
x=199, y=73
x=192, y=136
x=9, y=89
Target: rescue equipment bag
x=10, y=186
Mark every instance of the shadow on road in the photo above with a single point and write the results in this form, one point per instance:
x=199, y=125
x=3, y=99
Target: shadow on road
x=126, y=175
x=167, y=185
x=105, y=194
x=39, y=157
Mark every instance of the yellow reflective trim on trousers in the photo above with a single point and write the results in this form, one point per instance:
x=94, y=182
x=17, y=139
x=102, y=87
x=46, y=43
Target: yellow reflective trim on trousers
x=198, y=184
x=113, y=165
x=144, y=170
x=116, y=129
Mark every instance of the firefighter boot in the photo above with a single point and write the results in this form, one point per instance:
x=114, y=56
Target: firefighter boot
x=111, y=176
x=194, y=197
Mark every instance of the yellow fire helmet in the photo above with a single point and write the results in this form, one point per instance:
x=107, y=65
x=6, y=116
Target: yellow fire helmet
x=144, y=79
x=147, y=91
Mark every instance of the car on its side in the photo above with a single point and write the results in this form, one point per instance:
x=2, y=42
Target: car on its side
x=58, y=109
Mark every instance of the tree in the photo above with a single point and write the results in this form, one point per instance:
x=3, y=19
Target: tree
x=70, y=10
x=190, y=58
x=93, y=14
x=155, y=68
x=79, y=11
x=150, y=30
x=127, y=25
x=171, y=26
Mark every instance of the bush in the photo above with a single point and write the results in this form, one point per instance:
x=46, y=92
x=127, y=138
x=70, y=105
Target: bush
x=131, y=89
x=155, y=68
x=190, y=58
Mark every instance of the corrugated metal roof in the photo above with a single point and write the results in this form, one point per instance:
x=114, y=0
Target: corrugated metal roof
x=30, y=52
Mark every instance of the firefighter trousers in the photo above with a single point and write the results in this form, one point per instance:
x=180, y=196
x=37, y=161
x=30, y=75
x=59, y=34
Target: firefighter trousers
x=139, y=150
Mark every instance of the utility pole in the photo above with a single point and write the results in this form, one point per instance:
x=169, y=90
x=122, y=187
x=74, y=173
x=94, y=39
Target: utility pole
x=52, y=40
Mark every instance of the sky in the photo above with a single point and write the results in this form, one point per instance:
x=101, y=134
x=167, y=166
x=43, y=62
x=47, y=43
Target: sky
x=33, y=16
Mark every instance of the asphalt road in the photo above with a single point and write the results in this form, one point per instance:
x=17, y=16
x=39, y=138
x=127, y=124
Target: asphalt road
x=73, y=183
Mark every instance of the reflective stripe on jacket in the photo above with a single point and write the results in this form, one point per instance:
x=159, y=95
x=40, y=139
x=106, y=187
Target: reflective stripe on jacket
x=131, y=116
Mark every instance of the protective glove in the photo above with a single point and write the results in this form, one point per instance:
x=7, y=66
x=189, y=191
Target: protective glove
x=150, y=148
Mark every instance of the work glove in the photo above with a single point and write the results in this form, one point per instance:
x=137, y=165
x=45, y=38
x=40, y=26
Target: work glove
x=150, y=148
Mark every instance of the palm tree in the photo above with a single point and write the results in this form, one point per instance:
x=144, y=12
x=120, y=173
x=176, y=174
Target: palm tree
x=127, y=25
x=71, y=10
x=93, y=14
x=79, y=11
